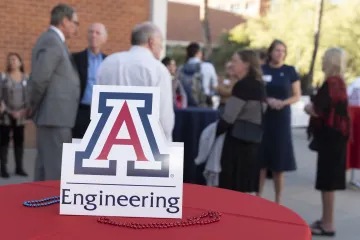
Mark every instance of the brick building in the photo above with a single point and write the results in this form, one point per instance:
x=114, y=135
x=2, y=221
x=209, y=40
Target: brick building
x=243, y=7
x=22, y=21
x=180, y=15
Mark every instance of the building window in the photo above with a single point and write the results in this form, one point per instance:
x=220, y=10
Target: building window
x=251, y=8
x=235, y=8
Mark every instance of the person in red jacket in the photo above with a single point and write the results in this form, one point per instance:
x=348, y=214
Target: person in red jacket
x=329, y=129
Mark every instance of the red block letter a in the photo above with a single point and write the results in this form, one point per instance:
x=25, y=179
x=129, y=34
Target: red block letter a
x=123, y=117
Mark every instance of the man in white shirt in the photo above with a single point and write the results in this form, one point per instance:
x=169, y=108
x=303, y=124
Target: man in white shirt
x=140, y=66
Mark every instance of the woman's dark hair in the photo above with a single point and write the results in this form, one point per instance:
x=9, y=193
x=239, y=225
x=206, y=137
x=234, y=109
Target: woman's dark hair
x=8, y=67
x=166, y=61
x=252, y=58
x=273, y=45
x=192, y=50
x=262, y=55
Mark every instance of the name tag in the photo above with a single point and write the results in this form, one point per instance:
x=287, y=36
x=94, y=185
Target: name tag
x=267, y=78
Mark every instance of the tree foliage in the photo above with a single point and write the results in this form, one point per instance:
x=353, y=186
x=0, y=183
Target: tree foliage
x=293, y=21
x=224, y=52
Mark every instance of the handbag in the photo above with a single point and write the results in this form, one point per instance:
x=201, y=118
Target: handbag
x=248, y=131
x=314, y=144
x=313, y=137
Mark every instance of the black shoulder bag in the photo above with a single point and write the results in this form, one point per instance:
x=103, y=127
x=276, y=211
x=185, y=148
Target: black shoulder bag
x=248, y=131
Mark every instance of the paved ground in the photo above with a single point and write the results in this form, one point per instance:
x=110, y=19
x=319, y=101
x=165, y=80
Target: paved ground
x=299, y=194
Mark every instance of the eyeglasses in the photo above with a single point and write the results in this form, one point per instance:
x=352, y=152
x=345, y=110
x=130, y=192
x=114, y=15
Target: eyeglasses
x=76, y=23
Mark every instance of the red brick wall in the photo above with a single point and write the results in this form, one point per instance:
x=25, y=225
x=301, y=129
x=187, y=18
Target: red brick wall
x=22, y=21
x=180, y=15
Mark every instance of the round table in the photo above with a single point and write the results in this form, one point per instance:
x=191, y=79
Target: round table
x=189, y=124
x=243, y=217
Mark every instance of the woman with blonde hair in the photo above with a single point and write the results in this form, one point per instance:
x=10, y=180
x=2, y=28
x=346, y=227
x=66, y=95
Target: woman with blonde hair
x=242, y=122
x=329, y=130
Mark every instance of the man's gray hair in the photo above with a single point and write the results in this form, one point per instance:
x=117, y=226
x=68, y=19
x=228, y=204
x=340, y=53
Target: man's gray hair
x=142, y=32
x=60, y=12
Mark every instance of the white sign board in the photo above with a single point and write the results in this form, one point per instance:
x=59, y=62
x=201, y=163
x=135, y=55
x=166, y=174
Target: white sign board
x=124, y=165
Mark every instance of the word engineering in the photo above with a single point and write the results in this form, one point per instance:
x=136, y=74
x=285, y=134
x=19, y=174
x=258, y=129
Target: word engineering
x=93, y=201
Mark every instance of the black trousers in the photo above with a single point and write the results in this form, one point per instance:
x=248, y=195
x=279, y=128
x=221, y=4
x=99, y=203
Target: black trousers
x=18, y=140
x=82, y=121
x=18, y=135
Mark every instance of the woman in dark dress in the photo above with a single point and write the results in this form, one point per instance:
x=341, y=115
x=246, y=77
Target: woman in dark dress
x=329, y=130
x=283, y=89
x=239, y=161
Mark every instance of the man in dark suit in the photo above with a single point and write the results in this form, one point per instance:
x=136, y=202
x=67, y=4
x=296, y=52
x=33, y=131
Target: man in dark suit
x=87, y=63
x=54, y=91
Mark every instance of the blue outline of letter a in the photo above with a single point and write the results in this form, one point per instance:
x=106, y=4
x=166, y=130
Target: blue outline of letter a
x=131, y=170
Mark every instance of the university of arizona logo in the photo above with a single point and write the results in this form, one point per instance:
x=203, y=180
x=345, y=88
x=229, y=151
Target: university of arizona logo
x=123, y=151
x=123, y=118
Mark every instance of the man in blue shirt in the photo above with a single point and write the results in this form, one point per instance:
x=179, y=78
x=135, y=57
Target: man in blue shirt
x=87, y=63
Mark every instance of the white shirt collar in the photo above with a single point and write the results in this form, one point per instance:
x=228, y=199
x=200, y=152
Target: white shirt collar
x=59, y=32
x=194, y=60
x=141, y=49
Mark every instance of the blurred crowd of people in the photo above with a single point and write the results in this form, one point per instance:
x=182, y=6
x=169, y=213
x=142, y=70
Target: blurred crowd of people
x=255, y=98
x=254, y=131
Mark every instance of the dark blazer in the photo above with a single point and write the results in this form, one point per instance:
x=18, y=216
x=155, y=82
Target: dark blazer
x=81, y=62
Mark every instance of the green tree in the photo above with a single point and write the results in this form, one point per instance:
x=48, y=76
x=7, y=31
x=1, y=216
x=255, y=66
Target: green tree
x=293, y=22
x=204, y=19
x=347, y=35
x=224, y=52
x=307, y=81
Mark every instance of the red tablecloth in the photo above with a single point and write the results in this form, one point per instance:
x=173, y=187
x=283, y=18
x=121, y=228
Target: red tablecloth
x=244, y=217
x=353, y=154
